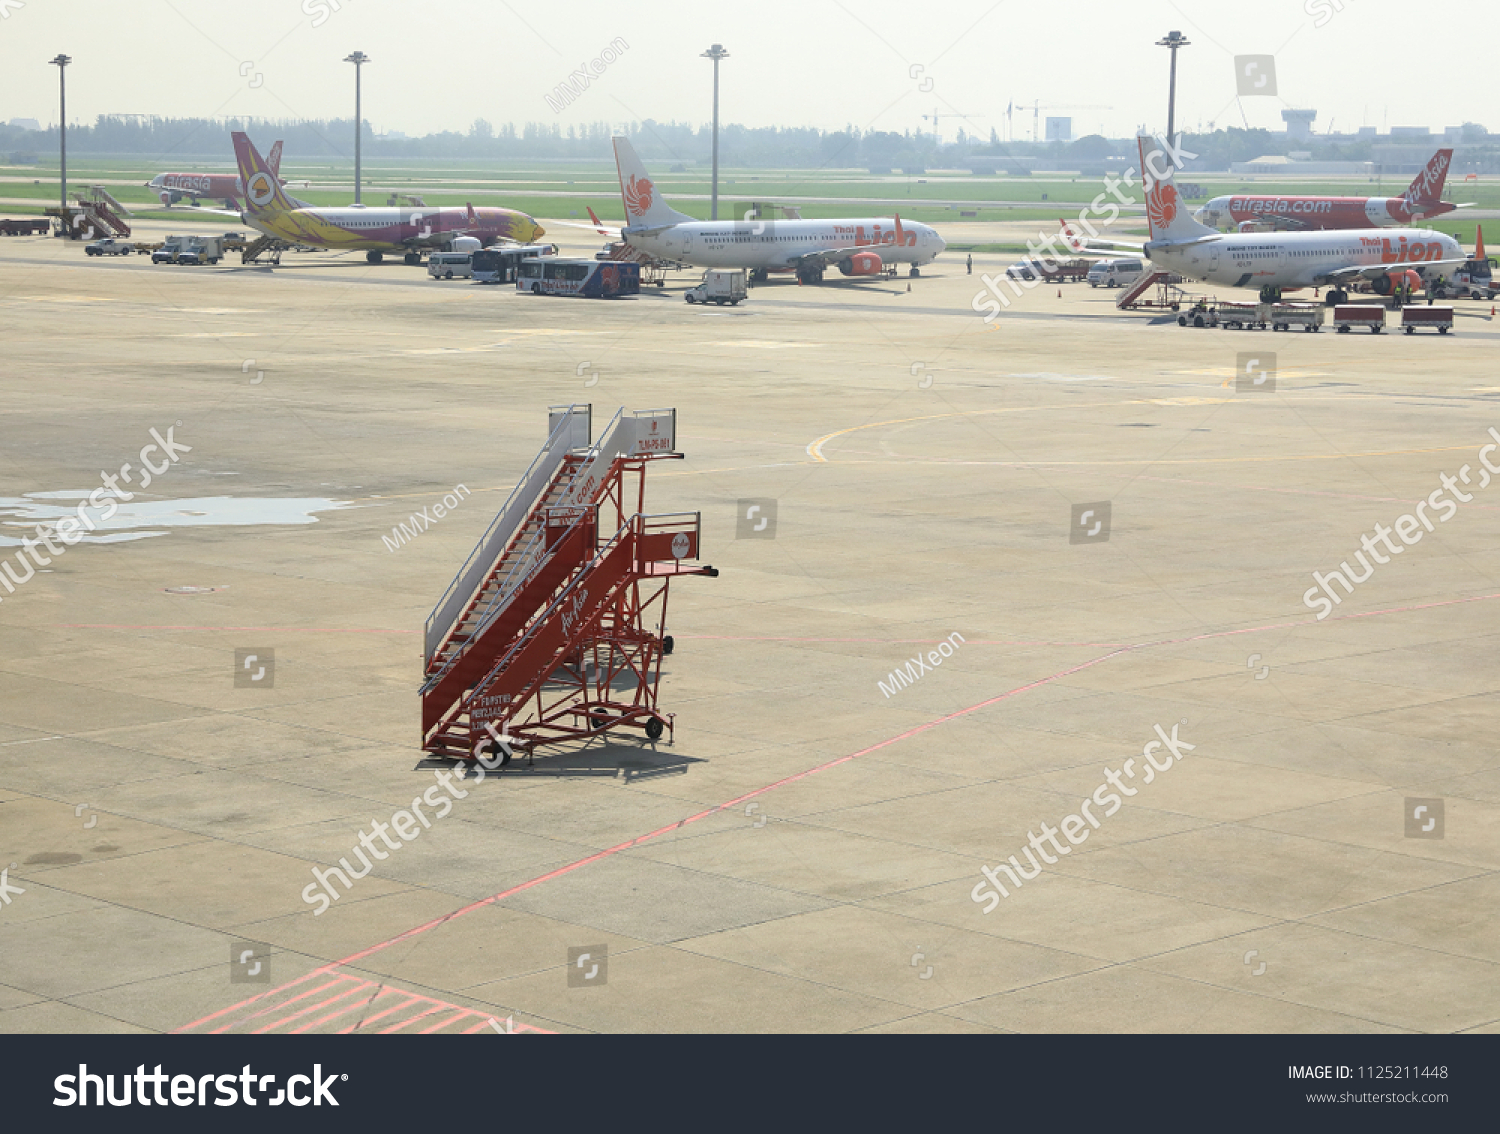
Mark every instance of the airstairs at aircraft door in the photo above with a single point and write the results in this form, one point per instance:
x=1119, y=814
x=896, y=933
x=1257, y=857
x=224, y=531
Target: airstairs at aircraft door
x=498, y=635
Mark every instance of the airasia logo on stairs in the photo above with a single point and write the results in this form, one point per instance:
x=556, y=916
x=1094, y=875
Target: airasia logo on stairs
x=573, y=609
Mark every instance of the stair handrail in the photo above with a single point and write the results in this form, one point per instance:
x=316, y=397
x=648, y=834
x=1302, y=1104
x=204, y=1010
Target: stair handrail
x=499, y=533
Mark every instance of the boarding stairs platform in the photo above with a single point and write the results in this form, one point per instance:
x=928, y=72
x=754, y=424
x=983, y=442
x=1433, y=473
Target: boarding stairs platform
x=267, y=247
x=547, y=633
x=1168, y=294
x=96, y=214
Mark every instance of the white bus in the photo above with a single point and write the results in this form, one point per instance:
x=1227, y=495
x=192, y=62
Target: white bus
x=503, y=265
x=588, y=279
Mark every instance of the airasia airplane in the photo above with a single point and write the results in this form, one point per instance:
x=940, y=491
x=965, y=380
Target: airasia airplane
x=860, y=246
x=375, y=231
x=226, y=187
x=1422, y=199
x=1274, y=262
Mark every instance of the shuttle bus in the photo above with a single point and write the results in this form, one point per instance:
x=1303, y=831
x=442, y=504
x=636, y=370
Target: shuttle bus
x=588, y=279
x=503, y=264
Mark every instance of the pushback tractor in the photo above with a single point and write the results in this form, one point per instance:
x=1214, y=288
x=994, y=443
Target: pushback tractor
x=554, y=629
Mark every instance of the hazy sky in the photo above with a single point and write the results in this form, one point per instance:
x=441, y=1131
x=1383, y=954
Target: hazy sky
x=822, y=63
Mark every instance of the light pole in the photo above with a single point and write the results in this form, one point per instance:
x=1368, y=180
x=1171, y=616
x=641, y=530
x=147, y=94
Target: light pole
x=359, y=59
x=716, y=52
x=61, y=63
x=1172, y=42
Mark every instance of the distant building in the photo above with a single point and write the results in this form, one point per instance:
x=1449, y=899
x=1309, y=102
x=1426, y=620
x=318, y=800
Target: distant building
x=1059, y=129
x=1276, y=163
x=25, y=123
x=1410, y=133
x=1299, y=123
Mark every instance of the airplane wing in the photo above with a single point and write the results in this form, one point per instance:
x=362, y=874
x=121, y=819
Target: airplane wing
x=823, y=257
x=1078, y=243
x=239, y=216
x=1373, y=271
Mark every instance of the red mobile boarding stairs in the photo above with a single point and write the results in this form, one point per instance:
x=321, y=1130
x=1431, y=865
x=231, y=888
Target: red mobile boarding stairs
x=553, y=629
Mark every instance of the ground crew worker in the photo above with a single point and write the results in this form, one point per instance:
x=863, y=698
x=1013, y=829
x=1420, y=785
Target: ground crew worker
x=969, y=264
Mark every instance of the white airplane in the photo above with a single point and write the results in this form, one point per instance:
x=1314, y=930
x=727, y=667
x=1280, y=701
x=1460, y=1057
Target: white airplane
x=1277, y=261
x=856, y=246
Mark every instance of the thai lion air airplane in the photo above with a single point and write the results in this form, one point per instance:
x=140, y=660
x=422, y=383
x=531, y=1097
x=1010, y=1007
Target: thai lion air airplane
x=1423, y=198
x=856, y=246
x=1275, y=262
x=226, y=187
x=375, y=231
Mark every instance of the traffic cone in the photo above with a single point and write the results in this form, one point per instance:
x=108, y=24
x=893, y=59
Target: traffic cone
x=908, y=287
x=1059, y=293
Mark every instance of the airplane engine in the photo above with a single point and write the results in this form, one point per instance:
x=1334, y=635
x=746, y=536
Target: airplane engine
x=464, y=244
x=862, y=264
x=169, y=198
x=1384, y=285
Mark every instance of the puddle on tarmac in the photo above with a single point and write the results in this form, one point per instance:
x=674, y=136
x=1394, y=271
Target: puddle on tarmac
x=143, y=519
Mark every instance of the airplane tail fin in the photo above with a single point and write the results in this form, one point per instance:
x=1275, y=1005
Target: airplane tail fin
x=643, y=204
x=263, y=192
x=1070, y=238
x=1427, y=187
x=1166, y=212
x=273, y=160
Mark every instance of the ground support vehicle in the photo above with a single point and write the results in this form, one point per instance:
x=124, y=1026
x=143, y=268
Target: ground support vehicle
x=1308, y=316
x=719, y=286
x=30, y=226
x=554, y=628
x=1051, y=271
x=169, y=249
x=1347, y=316
x=1244, y=316
x=201, y=250
x=1414, y=316
x=109, y=246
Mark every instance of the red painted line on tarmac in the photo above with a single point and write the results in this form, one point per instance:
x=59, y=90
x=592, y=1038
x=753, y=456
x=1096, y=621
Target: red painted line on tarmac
x=642, y=839
x=267, y=629
x=639, y=840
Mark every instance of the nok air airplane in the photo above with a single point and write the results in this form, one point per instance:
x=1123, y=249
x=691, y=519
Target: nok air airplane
x=375, y=231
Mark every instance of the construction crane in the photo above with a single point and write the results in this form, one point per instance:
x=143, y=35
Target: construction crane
x=934, y=118
x=1037, y=108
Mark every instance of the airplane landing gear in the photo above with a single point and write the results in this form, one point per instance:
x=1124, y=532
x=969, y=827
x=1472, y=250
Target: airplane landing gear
x=1269, y=294
x=914, y=273
x=374, y=257
x=1336, y=296
x=411, y=259
x=810, y=275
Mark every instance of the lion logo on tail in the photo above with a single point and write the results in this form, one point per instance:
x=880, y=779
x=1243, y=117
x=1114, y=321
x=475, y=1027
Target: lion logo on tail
x=638, y=195
x=1162, y=205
